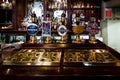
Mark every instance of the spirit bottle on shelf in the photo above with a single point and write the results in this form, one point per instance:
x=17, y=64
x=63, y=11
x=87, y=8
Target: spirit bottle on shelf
x=63, y=18
x=54, y=24
x=34, y=17
x=88, y=5
x=73, y=19
x=77, y=18
x=82, y=19
x=48, y=18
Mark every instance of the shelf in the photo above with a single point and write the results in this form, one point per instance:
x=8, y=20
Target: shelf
x=5, y=9
x=13, y=31
x=5, y=23
x=85, y=8
x=57, y=9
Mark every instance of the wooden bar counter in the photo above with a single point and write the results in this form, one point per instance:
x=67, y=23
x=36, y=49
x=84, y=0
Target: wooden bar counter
x=64, y=70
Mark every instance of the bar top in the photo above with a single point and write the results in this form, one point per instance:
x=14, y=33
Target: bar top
x=63, y=71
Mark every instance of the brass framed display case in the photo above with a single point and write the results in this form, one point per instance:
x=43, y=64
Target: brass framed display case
x=54, y=54
x=37, y=57
x=61, y=61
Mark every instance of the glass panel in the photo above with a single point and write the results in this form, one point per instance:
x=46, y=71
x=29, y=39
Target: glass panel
x=92, y=55
x=34, y=7
x=57, y=4
x=17, y=38
x=41, y=57
x=38, y=8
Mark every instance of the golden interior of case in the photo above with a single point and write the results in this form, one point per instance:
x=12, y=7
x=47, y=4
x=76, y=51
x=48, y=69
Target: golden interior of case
x=43, y=57
x=33, y=57
x=92, y=55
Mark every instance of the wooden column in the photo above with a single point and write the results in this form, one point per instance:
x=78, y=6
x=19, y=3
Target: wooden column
x=20, y=12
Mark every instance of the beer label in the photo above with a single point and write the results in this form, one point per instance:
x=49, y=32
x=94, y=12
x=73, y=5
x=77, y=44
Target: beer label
x=62, y=30
x=32, y=29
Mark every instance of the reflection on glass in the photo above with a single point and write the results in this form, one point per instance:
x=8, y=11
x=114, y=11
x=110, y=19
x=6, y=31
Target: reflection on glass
x=57, y=4
x=33, y=7
x=38, y=8
x=3, y=38
x=17, y=38
x=57, y=13
x=6, y=4
x=56, y=19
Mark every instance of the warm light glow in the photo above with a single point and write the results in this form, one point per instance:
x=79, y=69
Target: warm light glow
x=28, y=63
x=97, y=50
x=58, y=0
x=30, y=50
x=6, y=4
x=44, y=63
x=8, y=71
x=87, y=64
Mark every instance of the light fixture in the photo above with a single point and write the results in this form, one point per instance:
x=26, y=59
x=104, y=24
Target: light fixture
x=6, y=4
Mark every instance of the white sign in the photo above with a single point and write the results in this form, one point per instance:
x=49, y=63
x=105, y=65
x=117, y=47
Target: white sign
x=62, y=30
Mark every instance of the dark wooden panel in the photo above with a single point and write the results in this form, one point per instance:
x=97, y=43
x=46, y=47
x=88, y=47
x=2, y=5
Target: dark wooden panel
x=20, y=11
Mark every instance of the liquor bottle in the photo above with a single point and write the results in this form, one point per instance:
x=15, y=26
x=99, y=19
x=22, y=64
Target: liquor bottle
x=82, y=19
x=77, y=18
x=73, y=19
x=88, y=5
x=54, y=23
x=3, y=38
x=48, y=18
x=34, y=17
x=0, y=39
x=63, y=18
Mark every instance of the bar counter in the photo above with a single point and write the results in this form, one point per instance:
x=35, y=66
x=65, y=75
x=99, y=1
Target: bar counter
x=68, y=71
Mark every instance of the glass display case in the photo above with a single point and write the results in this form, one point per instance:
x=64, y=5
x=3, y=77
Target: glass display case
x=88, y=57
x=36, y=57
x=61, y=54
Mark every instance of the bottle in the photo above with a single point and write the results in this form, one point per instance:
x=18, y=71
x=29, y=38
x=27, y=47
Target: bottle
x=3, y=38
x=82, y=19
x=63, y=18
x=73, y=19
x=48, y=16
x=77, y=18
x=34, y=17
x=54, y=23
